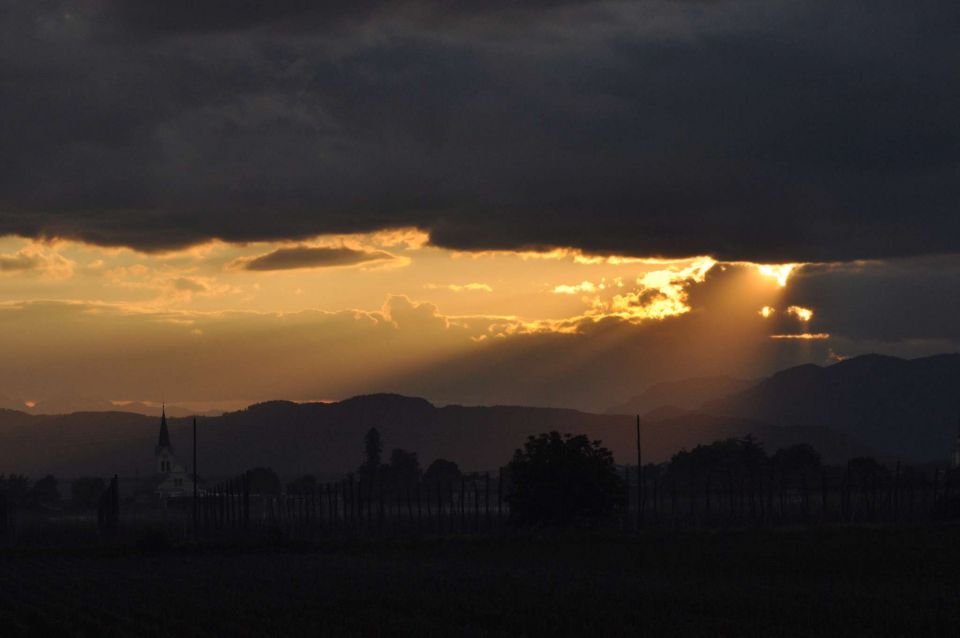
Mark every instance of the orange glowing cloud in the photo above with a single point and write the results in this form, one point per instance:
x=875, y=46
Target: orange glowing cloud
x=780, y=272
x=801, y=313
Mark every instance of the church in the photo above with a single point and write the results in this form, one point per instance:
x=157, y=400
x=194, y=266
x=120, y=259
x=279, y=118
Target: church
x=171, y=479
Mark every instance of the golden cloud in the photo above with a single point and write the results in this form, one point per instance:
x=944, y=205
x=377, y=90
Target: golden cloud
x=801, y=313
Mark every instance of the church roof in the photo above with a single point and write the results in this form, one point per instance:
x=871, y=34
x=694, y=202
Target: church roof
x=164, y=439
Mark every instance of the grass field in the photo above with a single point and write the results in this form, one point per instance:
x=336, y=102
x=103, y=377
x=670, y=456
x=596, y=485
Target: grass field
x=844, y=581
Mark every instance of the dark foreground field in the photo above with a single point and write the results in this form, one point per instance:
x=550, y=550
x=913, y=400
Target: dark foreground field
x=827, y=582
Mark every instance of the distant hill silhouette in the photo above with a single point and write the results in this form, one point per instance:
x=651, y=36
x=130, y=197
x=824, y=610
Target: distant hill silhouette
x=902, y=408
x=868, y=405
x=327, y=438
x=685, y=394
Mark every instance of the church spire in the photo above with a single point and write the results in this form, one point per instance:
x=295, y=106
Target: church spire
x=164, y=439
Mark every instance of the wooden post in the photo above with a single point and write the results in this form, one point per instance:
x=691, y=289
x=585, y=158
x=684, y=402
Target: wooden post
x=486, y=497
x=500, y=495
x=327, y=492
x=823, y=496
x=426, y=488
x=626, y=498
x=805, y=497
x=245, y=488
x=409, y=506
x=195, y=504
x=895, y=494
x=419, y=504
x=673, y=499
x=732, y=504
x=439, y=510
x=706, y=492
x=380, y=493
x=453, y=508
x=463, y=504
x=640, y=485
x=476, y=505
x=656, y=500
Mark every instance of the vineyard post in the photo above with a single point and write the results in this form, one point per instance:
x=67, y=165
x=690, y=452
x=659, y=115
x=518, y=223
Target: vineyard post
x=673, y=499
x=486, y=497
x=476, y=505
x=500, y=495
x=640, y=485
x=896, y=493
x=380, y=494
x=936, y=490
x=194, y=475
x=453, y=508
x=245, y=488
x=426, y=489
x=419, y=504
x=805, y=498
x=823, y=496
x=463, y=504
x=439, y=510
x=409, y=506
x=626, y=498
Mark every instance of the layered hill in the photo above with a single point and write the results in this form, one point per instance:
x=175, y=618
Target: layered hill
x=328, y=438
x=685, y=394
x=902, y=408
x=889, y=407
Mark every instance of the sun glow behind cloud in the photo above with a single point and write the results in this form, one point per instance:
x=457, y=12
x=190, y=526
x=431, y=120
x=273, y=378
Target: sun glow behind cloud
x=779, y=272
x=439, y=302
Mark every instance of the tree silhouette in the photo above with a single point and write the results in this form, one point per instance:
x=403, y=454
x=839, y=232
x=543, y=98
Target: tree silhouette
x=373, y=450
x=440, y=475
x=404, y=469
x=16, y=488
x=442, y=471
x=45, y=490
x=263, y=480
x=796, y=459
x=865, y=469
x=306, y=484
x=563, y=480
x=86, y=491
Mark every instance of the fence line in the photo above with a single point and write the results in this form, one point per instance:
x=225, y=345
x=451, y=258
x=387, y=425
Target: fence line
x=653, y=498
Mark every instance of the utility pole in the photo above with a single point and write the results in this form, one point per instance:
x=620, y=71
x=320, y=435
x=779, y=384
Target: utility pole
x=639, y=477
x=194, y=474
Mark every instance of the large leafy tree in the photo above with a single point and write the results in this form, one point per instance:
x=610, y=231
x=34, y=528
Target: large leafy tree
x=404, y=469
x=563, y=480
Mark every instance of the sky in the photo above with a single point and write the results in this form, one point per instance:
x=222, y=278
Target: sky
x=543, y=203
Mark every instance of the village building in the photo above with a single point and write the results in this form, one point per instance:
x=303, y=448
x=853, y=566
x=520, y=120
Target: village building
x=171, y=479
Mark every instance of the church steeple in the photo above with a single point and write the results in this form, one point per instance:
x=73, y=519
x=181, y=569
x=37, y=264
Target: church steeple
x=164, y=439
x=164, y=449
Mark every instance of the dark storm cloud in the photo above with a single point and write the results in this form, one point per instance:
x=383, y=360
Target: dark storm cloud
x=310, y=257
x=168, y=16
x=908, y=300
x=769, y=131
